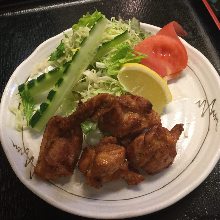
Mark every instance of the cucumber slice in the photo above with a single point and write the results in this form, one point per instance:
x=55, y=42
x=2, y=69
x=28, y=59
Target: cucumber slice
x=45, y=81
x=79, y=63
x=42, y=83
x=108, y=46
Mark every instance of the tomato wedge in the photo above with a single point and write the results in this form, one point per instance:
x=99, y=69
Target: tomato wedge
x=166, y=54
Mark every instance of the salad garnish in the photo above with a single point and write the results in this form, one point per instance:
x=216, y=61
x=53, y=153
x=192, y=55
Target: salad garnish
x=105, y=85
x=86, y=63
x=92, y=72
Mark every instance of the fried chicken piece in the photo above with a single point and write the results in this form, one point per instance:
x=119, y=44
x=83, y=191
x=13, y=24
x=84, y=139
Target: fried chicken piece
x=93, y=108
x=120, y=116
x=106, y=162
x=125, y=117
x=154, y=150
x=154, y=119
x=129, y=116
x=60, y=149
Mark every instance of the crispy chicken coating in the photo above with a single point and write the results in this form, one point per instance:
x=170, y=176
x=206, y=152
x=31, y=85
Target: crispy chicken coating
x=130, y=115
x=93, y=108
x=154, y=150
x=60, y=149
x=130, y=119
x=118, y=115
x=106, y=162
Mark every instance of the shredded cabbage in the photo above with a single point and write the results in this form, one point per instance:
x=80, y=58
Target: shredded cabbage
x=114, y=60
x=97, y=83
x=101, y=76
x=92, y=84
x=71, y=42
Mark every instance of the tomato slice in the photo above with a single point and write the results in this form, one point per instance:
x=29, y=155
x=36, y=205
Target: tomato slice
x=166, y=54
x=172, y=29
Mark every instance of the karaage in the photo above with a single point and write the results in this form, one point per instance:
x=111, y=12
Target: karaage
x=154, y=150
x=60, y=149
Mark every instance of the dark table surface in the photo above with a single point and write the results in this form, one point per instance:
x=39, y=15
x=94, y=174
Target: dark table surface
x=25, y=24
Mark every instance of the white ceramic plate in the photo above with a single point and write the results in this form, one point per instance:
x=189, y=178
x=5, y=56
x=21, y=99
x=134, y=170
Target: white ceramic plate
x=195, y=104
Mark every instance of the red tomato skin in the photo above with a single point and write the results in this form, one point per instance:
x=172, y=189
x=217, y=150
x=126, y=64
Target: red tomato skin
x=172, y=29
x=166, y=54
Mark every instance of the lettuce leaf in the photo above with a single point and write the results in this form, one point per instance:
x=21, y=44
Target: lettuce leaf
x=28, y=105
x=59, y=52
x=71, y=42
x=87, y=20
x=88, y=126
x=122, y=54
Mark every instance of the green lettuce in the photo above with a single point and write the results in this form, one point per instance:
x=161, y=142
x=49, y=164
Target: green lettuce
x=87, y=20
x=28, y=105
x=123, y=53
x=101, y=76
x=71, y=42
x=88, y=126
x=59, y=52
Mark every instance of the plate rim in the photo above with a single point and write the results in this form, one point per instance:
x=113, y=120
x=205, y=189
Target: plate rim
x=46, y=198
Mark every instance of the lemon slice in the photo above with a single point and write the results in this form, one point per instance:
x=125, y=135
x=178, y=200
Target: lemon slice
x=142, y=81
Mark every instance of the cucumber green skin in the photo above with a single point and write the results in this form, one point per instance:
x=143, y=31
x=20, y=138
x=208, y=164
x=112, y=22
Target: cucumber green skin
x=80, y=62
x=45, y=81
x=42, y=83
x=108, y=46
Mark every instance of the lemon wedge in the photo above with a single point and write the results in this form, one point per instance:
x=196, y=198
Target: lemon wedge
x=140, y=80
